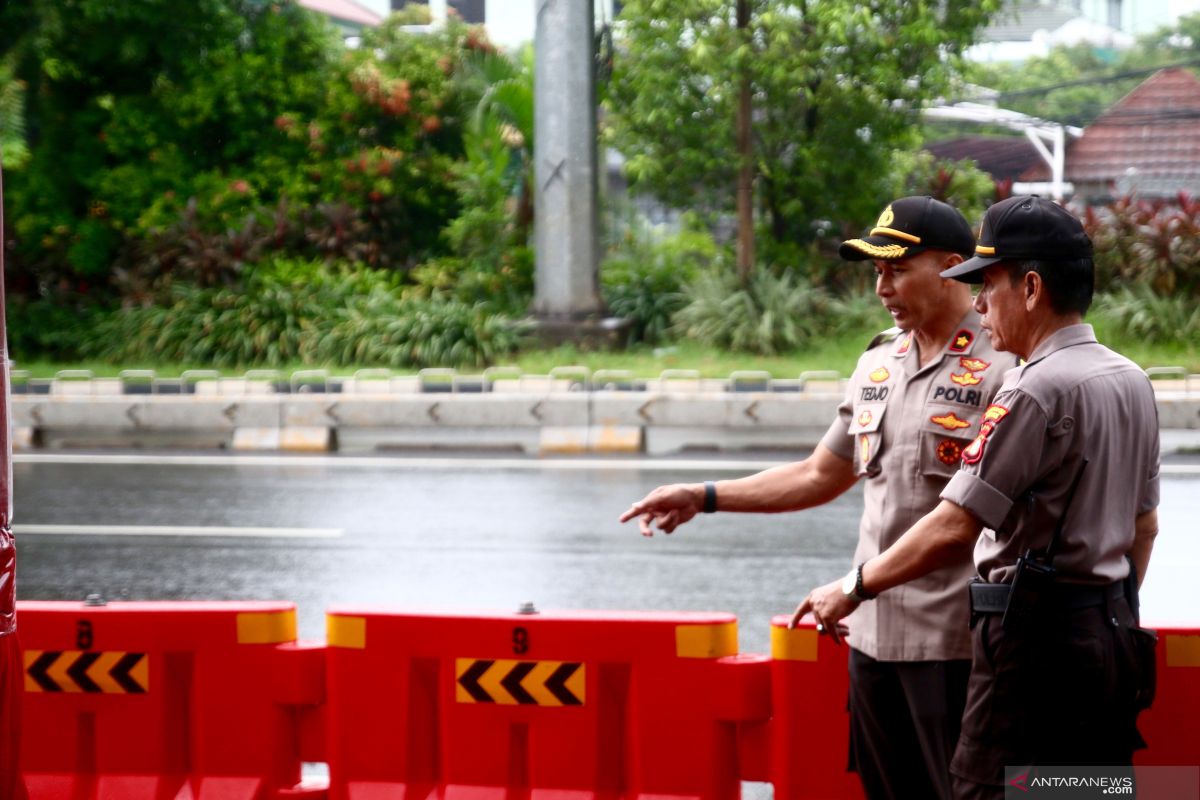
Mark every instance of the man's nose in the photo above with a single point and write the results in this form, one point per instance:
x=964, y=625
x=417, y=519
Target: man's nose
x=980, y=304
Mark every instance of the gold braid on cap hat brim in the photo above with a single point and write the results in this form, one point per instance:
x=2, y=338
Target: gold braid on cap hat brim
x=875, y=251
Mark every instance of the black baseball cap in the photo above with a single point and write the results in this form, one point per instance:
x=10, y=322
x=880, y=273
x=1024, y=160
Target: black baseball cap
x=909, y=226
x=1024, y=227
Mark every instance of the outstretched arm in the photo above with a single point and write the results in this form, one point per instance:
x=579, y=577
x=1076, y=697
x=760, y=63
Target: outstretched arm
x=788, y=487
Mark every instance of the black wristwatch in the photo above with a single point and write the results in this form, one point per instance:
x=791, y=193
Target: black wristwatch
x=852, y=586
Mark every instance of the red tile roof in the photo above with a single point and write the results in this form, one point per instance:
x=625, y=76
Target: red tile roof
x=1155, y=130
x=999, y=156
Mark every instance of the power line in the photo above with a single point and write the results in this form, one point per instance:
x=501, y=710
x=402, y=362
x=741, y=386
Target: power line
x=1132, y=73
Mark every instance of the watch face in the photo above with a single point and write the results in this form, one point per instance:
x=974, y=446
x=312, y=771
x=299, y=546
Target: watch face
x=849, y=582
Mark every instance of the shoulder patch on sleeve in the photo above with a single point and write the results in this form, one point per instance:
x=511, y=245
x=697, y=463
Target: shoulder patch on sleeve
x=883, y=337
x=991, y=418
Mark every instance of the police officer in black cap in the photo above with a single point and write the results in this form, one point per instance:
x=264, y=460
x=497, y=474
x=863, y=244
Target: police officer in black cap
x=1057, y=495
x=915, y=396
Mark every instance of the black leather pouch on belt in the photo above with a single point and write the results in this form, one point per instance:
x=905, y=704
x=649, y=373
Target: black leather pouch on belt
x=1031, y=588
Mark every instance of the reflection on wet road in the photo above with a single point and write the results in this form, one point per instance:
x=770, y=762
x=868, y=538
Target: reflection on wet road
x=450, y=533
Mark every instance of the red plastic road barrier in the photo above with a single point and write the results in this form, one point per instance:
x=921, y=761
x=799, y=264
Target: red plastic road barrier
x=476, y=706
x=1169, y=726
x=167, y=700
x=810, y=731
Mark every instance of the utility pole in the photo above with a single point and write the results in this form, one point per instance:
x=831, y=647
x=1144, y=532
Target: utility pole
x=567, y=302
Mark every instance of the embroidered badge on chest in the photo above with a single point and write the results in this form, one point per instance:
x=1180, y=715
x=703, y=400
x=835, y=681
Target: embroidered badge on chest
x=966, y=379
x=880, y=375
x=950, y=422
x=974, y=364
x=949, y=451
x=991, y=418
x=864, y=449
x=904, y=345
x=962, y=340
x=864, y=419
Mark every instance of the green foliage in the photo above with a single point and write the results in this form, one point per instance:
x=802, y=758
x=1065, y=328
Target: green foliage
x=960, y=183
x=836, y=88
x=645, y=280
x=13, y=151
x=772, y=314
x=1155, y=244
x=303, y=312
x=45, y=328
x=1138, y=313
x=1080, y=104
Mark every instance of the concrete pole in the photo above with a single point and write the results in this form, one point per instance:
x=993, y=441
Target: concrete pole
x=565, y=173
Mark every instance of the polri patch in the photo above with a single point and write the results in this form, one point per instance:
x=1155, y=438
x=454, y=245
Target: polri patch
x=991, y=418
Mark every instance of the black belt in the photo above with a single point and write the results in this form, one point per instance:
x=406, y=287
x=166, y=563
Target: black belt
x=992, y=598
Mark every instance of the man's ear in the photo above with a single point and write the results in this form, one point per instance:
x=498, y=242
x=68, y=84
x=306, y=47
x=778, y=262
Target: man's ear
x=1035, y=290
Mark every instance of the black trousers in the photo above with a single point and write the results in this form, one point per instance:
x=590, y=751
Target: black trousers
x=904, y=724
x=1061, y=692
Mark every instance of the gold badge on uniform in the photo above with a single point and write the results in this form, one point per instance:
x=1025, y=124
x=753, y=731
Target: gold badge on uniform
x=950, y=422
x=864, y=419
x=880, y=375
x=966, y=379
x=864, y=449
x=974, y=364
x=904, y=345
x=948, y=451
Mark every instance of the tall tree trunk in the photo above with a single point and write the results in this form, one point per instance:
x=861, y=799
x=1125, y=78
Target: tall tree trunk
x=745, y=150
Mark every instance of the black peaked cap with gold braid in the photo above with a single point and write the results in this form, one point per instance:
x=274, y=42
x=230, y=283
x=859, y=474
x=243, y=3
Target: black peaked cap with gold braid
x=909, y=226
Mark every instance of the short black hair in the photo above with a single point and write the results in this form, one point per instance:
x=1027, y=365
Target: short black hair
x=1069, y=283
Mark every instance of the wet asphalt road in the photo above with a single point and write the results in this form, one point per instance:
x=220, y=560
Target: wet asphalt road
x=453, y=533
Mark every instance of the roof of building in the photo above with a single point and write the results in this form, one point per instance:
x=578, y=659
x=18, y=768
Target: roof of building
x=1020, y=21
x=999, y=156
x=1152, y=133
x=346, y=11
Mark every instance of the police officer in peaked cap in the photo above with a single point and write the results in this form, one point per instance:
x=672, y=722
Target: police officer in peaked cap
x=1057, y=496
x=916, y=397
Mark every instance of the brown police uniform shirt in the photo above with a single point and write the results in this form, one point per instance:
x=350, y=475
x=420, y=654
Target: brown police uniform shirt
x=1075, y=399
x=905, y=427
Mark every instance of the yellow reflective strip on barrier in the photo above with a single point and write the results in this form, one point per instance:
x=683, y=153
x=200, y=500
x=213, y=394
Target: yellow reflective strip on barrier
x=30, y=684
x=535, y=683
x=490, y=681
x=57, y=671
x=99, y=673
x=799, y=644
x=706, y=641
x=1183, y=651
x=349, y=632
x=273, y=627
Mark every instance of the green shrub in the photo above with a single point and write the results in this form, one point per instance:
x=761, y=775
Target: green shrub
x=1147, y=242
x=1139, y=313
x=292, y=311
x=772, y=314
x=644, y=281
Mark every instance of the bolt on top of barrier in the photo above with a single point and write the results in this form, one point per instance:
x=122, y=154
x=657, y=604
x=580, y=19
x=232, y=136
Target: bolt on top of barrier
x=95, y=600
x=527, y=608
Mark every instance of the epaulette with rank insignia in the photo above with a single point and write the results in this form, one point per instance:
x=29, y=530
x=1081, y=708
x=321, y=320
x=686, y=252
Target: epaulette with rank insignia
x=883, y=337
